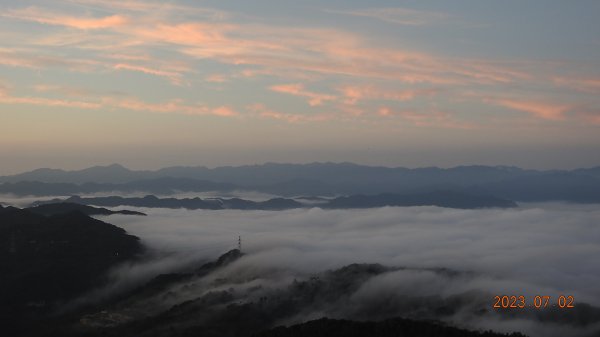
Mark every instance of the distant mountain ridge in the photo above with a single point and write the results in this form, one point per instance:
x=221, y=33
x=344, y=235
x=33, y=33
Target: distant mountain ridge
x=111, y=173
x=267, y=173
x=579, y=185
x=449, y=199
x=164, y=185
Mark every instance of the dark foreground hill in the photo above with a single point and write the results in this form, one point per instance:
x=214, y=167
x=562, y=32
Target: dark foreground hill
x=46, y=260
x=208, y=301
x=396, y=327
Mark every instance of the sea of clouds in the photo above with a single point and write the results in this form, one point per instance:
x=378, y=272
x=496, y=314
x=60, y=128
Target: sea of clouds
x=537, y=249
x=549, y=249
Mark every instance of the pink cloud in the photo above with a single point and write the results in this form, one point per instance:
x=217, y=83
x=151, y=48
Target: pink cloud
x=262, y=111
x=224, y=111
x=321, y=51
x=538, y=109
x=353, y=94
x=209, y=36
x=486, y=72
x=128, y=57
x=45, y=17
x=12, y=58
x=385, y=111
x=6, y=99
x=314, y=98
x=351, y=109
x=174, y=77
x=64, y=90
x=216, y=78
x=283, y=51
x=89, y=23
x=27, y=59
x=295, y=74
x=173, y=106
x=39, y=60
x=292, y=54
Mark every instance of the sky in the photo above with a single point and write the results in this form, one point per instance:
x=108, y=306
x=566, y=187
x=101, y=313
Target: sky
x=394, y=83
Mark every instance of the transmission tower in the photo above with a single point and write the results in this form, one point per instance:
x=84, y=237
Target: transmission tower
x=240, y=243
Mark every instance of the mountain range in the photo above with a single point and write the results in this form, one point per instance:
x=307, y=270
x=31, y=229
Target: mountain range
x=316, y=179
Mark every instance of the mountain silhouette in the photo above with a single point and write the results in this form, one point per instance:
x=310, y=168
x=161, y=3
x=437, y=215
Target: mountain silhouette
x=316, y=179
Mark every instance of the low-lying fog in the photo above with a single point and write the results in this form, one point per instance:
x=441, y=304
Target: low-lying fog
x=545, y=249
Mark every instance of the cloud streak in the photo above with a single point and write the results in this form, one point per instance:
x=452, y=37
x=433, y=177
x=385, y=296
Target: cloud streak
x=46, y=17
x=354, y=94
x=49, y=102
x=174, y=106
x=110, y=102
x=174, y=77
x=314, y=99
x=555, y=112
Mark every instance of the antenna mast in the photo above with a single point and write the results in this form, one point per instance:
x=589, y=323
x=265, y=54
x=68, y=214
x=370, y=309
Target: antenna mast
x=240, y=243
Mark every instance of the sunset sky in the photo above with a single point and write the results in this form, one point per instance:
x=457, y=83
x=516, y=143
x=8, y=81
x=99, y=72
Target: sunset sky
x=395, y=83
